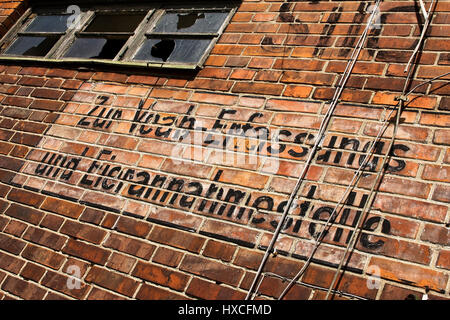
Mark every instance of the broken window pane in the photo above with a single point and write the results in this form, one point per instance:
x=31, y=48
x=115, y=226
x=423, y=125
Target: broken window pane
x=193, y=22
x=173, y=50
x=95, y=48
x=32, y=46
x=115, y=23
x=54, y=23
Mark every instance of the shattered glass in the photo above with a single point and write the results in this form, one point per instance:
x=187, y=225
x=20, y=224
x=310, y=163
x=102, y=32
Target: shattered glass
x=32, y=46
x=95, y=48
x=193, y=22
x=172, y=50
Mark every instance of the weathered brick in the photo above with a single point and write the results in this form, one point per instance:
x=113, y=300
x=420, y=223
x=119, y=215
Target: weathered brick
x=43, y=256
x=149, y=292
x=112, y=281
x=219, y=250
x=24, y=289
x=168, y=257
x=66, y=208
x=410, y=274
x=45, y=238
x=177, y=239
x=26, y=197
x=58, y=282
x=160, y=275
x=133, y=227
x=24, y=213
x=86, y=251
x=206, y=290
x=444, y=259
x=134, y=247
x=11, y=244
x=211, y=269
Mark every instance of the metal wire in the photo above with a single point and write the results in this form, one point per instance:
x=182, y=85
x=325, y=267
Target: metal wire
x=319, y=239
x=399, y=108
x=318, y=142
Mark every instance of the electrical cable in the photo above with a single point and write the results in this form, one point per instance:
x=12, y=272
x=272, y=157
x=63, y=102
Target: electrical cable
x=424, y=30
x=319, y=140
x=402, y=99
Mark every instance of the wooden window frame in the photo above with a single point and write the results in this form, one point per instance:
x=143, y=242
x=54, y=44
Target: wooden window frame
x=125, y=55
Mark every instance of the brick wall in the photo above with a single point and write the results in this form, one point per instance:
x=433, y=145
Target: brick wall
x=99, y=172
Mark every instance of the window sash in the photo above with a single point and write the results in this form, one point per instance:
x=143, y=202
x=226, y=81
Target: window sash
x=131, y=47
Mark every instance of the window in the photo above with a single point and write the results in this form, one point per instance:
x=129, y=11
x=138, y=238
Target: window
x=172, y=35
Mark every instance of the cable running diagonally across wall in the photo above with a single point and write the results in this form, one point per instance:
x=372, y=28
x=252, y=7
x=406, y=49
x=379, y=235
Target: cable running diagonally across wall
x=402, y=99
x=318, y=142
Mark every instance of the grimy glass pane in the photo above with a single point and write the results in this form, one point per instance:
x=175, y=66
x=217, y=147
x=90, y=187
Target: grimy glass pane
x=53, y=23
x=187, y=51
x=95, y=48
x=193, y=22
x=32, y=46
x=126, y=22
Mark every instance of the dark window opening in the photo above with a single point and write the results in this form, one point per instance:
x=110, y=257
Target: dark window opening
x=146, y=35
x=31, y=46
x=194, y=22
x=95, y=48
x=49, y=23
x=115, y=23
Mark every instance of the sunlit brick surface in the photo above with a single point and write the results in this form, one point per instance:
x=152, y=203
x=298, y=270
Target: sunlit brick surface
x=141, y=182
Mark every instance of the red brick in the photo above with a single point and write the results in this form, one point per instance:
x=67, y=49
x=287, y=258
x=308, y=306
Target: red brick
x=86, y=251
x=52, y=222
x=11, y=244
x=133, y=227
x=99, y=294
x=258, y=88
x=436, y=173
x=411, y=208
x=229, y=232
x=15, y=228
x=306, y=77
x=434, y=119
x=23, y=289
x=141, y=249
x=444, y=259
x=349, y=283
x=10, y=263
x=160, y=275
x=441, y=193
x=391, y=292
x=399, y=249
x=243, y=178
x=177, y=239
x=83, y=232
x=112, y=281
x=436, y=234
x=207, y=290
x=121, y=262
x=32, y=272
x=24, y=213
x=168, y=257
x=186, y=168
x=43, y=256
x=417, y=276
x=219, y=250
x=63, y=207
x=45, y=238
x=149, y=292
x=211, y=269
x=59, y=283
x=50, y=105
x=26, y=197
